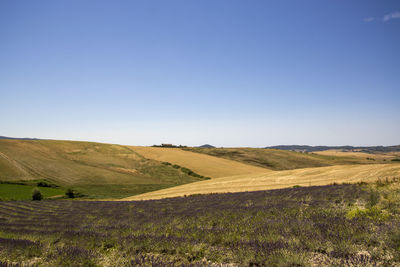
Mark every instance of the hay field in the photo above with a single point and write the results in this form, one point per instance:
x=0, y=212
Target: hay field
x=280, y=179
x=95, y=169
x=206, y=165
x=278, y=160
x=357, y=154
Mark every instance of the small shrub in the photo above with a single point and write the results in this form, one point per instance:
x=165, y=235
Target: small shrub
x=187, y=171
x=43, y=184
x=373, y=198
x=36, y=194
x=46, y=184
x=373, y=213
x=383, y=182
x=70, y=193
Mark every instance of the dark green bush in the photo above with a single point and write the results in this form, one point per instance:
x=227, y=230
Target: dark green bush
x=43, y=184
x=36, y=194
x=70, y=193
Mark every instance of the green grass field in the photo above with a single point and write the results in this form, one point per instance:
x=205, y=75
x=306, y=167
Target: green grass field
x=117, y=191
x=24, y=192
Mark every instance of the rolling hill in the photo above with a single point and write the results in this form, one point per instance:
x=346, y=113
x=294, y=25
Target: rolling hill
x=95, y=169
x=382, y=156
x=280, y=179
x=203, y=164
x=276, y=159
x=114, y=171
x=366, y=149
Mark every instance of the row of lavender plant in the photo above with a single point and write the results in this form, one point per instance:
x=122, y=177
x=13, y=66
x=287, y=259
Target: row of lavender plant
x=277, y=227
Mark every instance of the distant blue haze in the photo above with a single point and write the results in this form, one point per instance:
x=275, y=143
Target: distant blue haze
x=224, y=72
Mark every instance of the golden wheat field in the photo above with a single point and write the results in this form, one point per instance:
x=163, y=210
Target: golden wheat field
x=94, y=169
x=357, y=154
x=280, y=179
x=206, y=165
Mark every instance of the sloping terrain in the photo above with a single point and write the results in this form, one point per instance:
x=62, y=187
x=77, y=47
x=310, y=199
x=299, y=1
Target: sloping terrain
x=366, y=149
x=206, y=165
x=387, y=156
x=276, y=159
x=280, y=179
x=95, y=168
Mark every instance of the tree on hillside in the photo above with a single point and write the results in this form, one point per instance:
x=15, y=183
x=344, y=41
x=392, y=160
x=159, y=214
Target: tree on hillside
x=36, y=194
x=70, y=193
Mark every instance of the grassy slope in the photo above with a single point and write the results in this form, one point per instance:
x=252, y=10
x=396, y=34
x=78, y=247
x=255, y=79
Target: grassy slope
x=280, y=179
x=276, y=159
x=102, y=170
x=24, y=192
x=388, y=156
x=206, y=165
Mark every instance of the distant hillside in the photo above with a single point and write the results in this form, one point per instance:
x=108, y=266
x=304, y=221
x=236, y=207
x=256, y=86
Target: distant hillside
x=95, y=169
x=16, y=138
x=206, y=165
x=276, y=159
x=367, y=149
x=207, y=146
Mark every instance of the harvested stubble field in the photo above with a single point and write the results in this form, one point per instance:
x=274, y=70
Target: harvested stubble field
x=276, y=159
x=280, y=179
x=358, y=154
x=94, y=169
x=203, y=164
x=346, y=224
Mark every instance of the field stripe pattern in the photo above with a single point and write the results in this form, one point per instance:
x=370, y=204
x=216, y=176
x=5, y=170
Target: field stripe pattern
x=206, y=165
x=280, y=179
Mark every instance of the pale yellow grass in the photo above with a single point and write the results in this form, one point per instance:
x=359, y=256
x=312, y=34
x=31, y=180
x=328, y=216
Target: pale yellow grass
x=280, y=179
x=339, y=153
x=202, y=164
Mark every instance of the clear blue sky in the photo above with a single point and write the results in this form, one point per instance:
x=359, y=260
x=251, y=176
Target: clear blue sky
x=224, y=72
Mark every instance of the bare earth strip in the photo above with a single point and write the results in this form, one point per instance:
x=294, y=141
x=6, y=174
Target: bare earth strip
x=280, y=179
x=205, y=165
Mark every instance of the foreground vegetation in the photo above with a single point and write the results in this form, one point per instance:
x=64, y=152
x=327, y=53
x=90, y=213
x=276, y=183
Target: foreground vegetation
x=336, y=224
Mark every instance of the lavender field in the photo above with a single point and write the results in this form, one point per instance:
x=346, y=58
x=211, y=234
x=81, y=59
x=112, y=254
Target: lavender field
x=346, y=224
